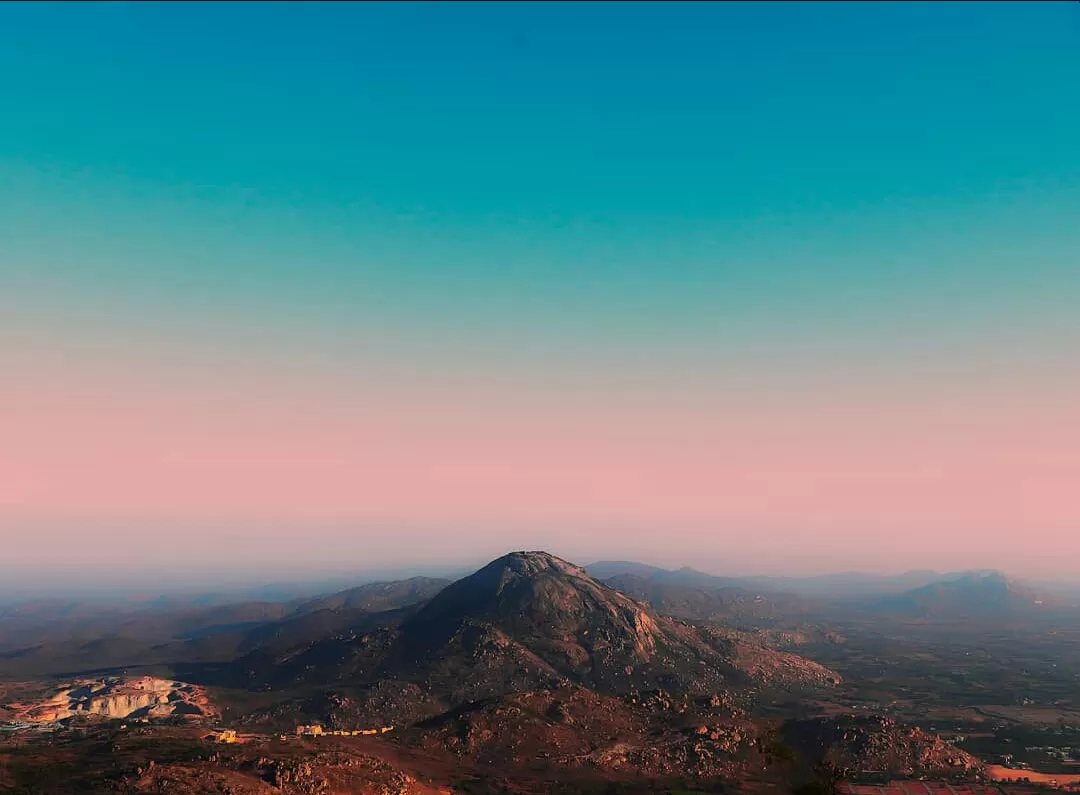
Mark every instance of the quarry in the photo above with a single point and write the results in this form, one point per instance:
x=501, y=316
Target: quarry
x=115, y=698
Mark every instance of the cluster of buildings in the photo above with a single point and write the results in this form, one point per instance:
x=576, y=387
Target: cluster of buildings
x=315, y=730
x=229, y=736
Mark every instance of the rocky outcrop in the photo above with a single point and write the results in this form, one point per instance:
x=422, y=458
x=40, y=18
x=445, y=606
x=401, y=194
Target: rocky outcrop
x=860, y=745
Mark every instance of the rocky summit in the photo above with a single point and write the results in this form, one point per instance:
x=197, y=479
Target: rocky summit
x=527, y=622
x=554, y=607
x=533, y=617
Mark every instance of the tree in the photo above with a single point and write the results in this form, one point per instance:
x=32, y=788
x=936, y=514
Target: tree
x=825, y=779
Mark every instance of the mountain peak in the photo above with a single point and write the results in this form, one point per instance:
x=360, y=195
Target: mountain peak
x=515, y=583
x=529, y=621
x=526, y=563
x=537, y=597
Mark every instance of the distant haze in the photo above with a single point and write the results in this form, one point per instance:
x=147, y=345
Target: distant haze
x=761, y=289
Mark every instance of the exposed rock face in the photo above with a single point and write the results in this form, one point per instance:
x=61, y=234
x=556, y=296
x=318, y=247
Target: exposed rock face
x=120, y=706
x=535, y=594
x=554, y=607
x=119, y=698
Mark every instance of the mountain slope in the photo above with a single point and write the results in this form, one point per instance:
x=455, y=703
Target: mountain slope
x=376, y=597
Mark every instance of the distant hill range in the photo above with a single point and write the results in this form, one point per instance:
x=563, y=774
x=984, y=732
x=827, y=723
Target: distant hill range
x=694, y=595
x=377, y=596
x=57, y=636
x=874, y=590
x=64, y=636
x=974, y=594
x=842, y=585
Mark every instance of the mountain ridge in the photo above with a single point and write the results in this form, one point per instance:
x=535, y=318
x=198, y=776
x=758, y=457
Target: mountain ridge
x=974, y=593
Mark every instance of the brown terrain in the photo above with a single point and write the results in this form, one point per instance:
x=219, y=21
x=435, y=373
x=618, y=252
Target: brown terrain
x=528, y=676
x=872, y=744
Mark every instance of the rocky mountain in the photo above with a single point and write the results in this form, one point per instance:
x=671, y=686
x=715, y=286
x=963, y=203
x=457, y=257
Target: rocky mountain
x=553, y=613
x=981, y=593
x=526, y=622
x=553, y=607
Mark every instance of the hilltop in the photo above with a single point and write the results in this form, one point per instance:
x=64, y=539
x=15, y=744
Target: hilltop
x=525, y=622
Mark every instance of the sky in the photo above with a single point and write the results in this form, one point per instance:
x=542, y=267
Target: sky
x=302, y=288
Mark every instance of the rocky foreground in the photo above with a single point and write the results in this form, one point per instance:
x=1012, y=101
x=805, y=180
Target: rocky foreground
x=528, y=676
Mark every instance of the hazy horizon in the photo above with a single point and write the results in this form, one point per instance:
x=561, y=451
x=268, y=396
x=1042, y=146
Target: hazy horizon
x=754, y=288
x=321, y=577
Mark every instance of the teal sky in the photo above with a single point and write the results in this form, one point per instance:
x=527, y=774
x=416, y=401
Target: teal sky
x=646, y=240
